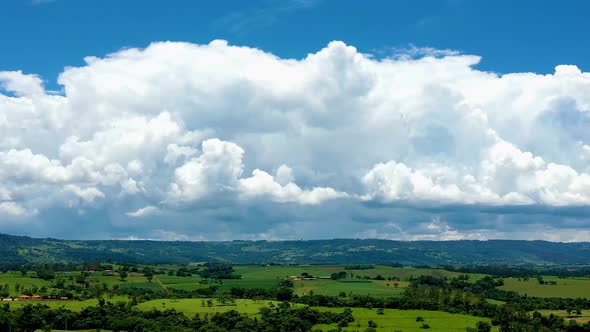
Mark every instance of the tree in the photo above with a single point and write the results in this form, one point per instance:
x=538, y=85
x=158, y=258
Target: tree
x=123, y=275
x=45, y=274
x=149, y=274
x=5, y=292
x=480, y=327
x=284, y=293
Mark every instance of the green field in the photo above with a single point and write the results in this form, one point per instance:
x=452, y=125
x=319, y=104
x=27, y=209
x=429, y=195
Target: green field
x=268, y=276
x=405, y=320
x=357, y=287
x=253, y=276
x=71, y=305
x=391, y=320
x=404, y=273
x=190, y=307
x=14, y=278
x=357, y=282
x=570, y=287
x=584, y=318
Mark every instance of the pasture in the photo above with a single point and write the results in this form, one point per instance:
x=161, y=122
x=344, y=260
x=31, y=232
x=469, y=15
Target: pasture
x=391, y=320
x=70, y=305
x=190, y=307
x=584, y=318
x=357, y=287
x=355, y=283
x=405, y=320
x=568, y=287
x=12, y=279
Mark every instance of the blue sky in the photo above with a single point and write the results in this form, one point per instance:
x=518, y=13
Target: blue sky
x=219, y=120
x=44, y=36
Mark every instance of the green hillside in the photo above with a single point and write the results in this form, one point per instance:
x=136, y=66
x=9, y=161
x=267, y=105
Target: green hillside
x=21, y=250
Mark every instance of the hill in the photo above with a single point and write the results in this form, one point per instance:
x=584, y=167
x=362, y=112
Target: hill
x=22, y=250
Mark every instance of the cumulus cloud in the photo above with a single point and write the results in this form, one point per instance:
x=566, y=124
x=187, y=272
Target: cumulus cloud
x=216, y=169
x=231, y=140
x=11, y=209
x=265, y=185
x=145, y=211
x=87, y=194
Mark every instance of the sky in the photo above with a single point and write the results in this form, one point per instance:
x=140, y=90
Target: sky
x=295, y=119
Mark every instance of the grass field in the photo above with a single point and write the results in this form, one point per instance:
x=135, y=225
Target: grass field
x=268, y=276
x=14, y=278
x=405, y=320
x=571, y=287
x=71, y=305
x=190, y=307
x=404, y=273
x=391, y=320
x=358, y=287
x=562, y=313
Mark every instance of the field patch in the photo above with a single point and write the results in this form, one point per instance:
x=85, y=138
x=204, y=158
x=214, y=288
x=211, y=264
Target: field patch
x=190, y=307
x=336, y=287
x=15, y=278
x=569, y=287
x=584, y=318
x=405, y=320
x=70, y=305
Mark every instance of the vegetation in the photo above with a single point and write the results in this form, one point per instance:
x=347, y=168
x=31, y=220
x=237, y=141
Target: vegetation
x=137, y=296
x=18, y=251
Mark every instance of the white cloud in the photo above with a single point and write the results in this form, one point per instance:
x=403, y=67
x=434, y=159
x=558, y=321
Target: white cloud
x=145, y=211
x=14, y=210
x=217, y=168
x=284, y=175
x=264, y=184
x=179, y=123
x=21, y=84
x=87, y=194
x=505, y=176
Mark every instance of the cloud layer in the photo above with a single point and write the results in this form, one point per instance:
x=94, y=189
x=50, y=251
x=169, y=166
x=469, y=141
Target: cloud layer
x=217, y=142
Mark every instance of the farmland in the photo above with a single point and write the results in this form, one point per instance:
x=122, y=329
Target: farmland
x=379, y=280
x=375, y=293
x=405, y=320
x=390, y=320
x=564, y=287
x=583, y=318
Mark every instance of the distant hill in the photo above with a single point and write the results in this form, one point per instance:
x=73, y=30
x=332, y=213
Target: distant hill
x=22, y=250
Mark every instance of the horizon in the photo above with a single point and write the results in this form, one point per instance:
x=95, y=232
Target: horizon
x=296, y=119
x=293, y=240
